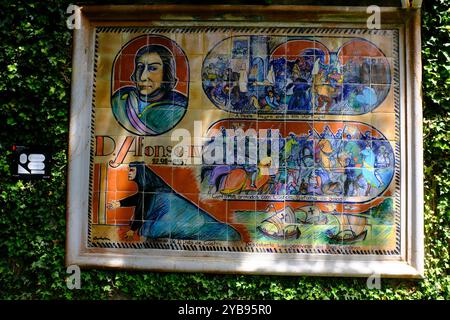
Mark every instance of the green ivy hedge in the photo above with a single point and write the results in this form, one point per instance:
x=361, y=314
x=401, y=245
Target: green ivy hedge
x=35, y=51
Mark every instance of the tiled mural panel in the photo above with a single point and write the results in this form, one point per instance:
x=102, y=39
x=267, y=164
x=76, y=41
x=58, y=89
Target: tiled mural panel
x=231, y=139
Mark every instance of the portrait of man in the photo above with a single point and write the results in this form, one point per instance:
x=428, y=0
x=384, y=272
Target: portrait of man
x=151, y=106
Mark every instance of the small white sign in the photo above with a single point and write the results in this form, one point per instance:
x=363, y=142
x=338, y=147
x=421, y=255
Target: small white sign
x=31, y=162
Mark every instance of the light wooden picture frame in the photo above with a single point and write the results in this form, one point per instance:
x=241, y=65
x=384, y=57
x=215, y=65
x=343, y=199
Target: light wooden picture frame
x=341, y=195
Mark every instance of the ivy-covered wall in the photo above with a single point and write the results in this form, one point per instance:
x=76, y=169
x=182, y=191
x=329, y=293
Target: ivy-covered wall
x=35, y=73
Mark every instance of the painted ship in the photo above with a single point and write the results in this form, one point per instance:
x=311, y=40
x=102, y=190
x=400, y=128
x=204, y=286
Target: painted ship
x=311, y=215
x=281, y=224
x=349, y=228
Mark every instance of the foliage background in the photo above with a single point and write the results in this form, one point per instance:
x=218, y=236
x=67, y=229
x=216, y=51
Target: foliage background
x=35, y=72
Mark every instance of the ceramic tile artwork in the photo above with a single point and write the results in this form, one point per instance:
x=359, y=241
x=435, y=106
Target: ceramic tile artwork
x=284, y=142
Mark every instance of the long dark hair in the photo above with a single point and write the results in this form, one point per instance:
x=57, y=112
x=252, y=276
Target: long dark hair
x=169, y=70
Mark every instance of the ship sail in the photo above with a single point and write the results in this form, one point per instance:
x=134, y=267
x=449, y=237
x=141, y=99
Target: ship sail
x=351, y=228
x=281, y=224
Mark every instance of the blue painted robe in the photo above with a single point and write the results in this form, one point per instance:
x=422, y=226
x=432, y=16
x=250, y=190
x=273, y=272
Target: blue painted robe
x=148, y=117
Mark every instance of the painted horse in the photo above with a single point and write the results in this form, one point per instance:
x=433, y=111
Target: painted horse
x=239, y=180
x=326, y=93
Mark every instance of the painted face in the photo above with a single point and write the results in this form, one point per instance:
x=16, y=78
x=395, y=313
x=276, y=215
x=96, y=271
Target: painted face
x=132, y=173
x=149, y=73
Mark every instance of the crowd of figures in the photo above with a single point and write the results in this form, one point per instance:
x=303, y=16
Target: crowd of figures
x=314, y=81
x=347, y=163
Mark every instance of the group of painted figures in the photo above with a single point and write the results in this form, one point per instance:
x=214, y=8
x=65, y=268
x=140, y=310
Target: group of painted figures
x=328, y=164
x=311, y=82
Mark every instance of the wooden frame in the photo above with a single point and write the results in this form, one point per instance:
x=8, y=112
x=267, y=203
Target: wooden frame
x=409, y=263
